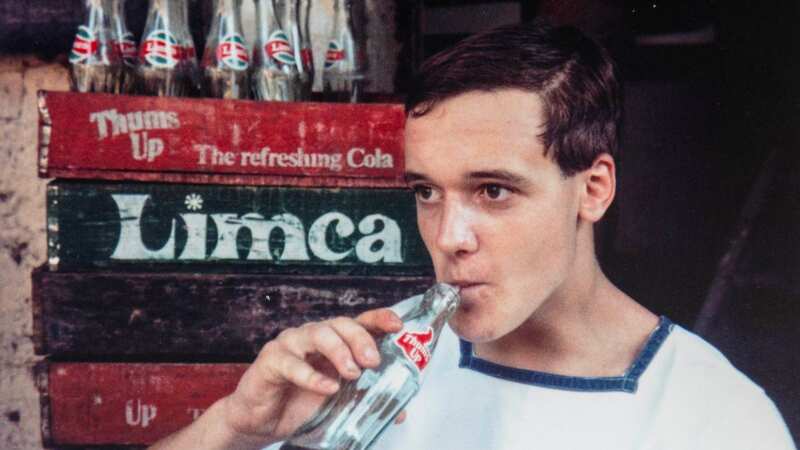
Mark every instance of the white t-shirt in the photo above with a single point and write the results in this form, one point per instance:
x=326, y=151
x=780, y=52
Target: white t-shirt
x=679, y=394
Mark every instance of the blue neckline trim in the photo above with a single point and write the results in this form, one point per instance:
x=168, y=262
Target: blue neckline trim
x=628, y=382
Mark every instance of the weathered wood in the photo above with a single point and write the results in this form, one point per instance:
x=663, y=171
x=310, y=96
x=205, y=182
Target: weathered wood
x=263, y=229
x=191, y=317
x=208, y=140
x=203, y=178
x=128, y=404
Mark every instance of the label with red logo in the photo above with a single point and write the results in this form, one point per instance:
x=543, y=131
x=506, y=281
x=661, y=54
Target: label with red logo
x=188, y=52
x=126, y=49
x=232, y=52
x=85, y=45
x=161, y=49
x=416, y=346
x=307, y=58
x=279, y=48
x=334, y=54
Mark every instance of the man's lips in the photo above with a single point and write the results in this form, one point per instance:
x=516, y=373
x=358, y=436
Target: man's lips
x=465, y=286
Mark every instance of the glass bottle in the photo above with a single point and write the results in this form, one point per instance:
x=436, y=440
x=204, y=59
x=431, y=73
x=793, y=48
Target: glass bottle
x=165, y=58
x=225, y=58
x=355, y=416
x=94, y=64
x=274, y=74
x=344, y=74
x=124, y=44
x=306, y=53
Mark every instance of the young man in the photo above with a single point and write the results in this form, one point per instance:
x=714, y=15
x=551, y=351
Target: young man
x=510, y=145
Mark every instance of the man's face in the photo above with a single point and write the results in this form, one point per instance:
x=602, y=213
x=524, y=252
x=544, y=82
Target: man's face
x=496, y=215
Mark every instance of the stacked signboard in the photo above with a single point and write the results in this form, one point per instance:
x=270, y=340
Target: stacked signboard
x=185, y=233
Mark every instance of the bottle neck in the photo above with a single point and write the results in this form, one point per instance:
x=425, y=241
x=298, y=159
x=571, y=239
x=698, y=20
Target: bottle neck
x=118, y=8
x=287, y=12
x=303, y=14
x=118, y=18
x=160, y=16
x=267, y=21
x=98, y=13
x=226, y=6
x=227, y=19
x=174, y=14
x=437, y=305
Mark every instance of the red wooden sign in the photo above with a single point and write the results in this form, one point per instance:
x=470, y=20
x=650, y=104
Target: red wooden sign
x=127, y=404
x=115, y=137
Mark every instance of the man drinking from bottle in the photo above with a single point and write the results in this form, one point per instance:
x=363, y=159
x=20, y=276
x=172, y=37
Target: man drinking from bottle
x=511, y=144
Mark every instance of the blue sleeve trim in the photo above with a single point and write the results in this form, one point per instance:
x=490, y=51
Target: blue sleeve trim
x=628, y=382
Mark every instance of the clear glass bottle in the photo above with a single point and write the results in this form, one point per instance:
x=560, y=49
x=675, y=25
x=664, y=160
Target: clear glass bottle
x=345, y=73
x=355, y=416
x=165, y=58
x=225, y=58
x=274, y=73
x=95, y=66
x=306, y=53
x=189, y=51
x=124, y=44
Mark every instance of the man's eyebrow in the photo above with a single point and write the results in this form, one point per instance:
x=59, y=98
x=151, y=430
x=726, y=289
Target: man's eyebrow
x=410, y=176
x=500, y=175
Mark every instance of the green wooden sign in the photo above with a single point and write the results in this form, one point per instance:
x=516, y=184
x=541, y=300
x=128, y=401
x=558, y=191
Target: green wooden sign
x=234, y=228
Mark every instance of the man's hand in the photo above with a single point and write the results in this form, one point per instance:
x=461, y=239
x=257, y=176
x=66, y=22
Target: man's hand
x=290, y=379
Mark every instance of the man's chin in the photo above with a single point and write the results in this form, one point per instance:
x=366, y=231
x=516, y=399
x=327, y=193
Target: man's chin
x=471, y=328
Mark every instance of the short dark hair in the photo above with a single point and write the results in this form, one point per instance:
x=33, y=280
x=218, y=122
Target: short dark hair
x=573, y=74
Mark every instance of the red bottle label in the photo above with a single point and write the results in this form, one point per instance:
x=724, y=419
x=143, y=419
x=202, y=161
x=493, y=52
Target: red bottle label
x=232, y=52
x=307, y=58
x=279, y=48
x=161, y=49
x=416, y=347
x=84, y=46
x=334, y=54
x=188, y=52
x=126, y=49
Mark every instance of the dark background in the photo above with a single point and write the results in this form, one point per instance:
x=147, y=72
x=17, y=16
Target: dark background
x=703, y=230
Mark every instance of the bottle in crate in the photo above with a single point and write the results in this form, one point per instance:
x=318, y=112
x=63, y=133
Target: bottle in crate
x=225, y=58
x=345, y=73
x=95, y=65
x=167, y=65
x=306, y=54
x=124, y=45
x=275, y=75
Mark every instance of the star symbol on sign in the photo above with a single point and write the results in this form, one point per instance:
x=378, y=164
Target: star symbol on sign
x=193, y=202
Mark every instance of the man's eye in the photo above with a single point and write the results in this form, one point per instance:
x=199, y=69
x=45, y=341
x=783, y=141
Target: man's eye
x=495, y=192
x=424, y=193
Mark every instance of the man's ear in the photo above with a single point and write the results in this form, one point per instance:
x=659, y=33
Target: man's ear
x=598, y=188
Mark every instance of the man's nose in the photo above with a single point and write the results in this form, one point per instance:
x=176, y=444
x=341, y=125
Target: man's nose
x=456, y=234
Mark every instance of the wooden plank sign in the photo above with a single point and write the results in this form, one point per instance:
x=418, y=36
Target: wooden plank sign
x=182, y=140
x=127, y=404
x=236, y=227
x=189, y=317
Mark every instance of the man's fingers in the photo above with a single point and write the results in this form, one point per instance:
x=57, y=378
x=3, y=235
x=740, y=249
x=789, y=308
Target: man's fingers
x=335, y=347
x=382, y=320
x=361, y=343
x=301, y=374
x=400, y=417
x=344, y=342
